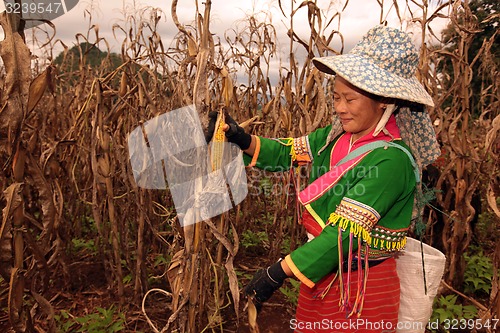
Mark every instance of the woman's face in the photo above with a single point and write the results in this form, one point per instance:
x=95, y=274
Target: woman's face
x=358, y=112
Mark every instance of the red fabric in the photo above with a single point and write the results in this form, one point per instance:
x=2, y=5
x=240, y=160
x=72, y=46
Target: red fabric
x=310, y=224
x=379, y=313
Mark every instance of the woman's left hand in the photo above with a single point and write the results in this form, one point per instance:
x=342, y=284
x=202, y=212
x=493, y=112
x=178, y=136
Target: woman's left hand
x=264, y=283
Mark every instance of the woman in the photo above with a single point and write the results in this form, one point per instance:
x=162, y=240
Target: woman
x=359, y=201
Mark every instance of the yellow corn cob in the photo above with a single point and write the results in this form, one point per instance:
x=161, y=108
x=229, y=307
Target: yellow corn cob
x=217, y=146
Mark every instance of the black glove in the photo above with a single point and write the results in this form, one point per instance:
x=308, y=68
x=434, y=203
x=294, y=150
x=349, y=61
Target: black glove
x=212, y=119
x=264, y=283
x=235, y=134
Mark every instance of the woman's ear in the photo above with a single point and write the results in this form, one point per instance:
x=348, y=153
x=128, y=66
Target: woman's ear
x=385, y=101
x=382, y=107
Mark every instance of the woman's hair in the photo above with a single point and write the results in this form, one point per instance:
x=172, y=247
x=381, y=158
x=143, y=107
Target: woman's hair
x=412, y=106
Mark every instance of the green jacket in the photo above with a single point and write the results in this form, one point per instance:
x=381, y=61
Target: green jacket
x=372, y=200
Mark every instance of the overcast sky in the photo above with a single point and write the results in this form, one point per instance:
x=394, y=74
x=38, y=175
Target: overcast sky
x=358, y=17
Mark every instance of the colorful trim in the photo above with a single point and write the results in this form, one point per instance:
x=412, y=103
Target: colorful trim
x=287, y=142
x=366, y=216
x=375, y=254
x=298, y=274
x=388, y=240
x=256, y=152
x=389, y=234
x=301, y=151
x=361, y=220
x=389, y=246
x=353, y=227
x=356, y=217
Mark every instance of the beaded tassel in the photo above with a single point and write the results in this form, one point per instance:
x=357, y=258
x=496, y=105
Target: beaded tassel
x=360, y=291
x=341, y=260
x=365, y=279
x=325, y=291
x=347, y=300
x=347, y=304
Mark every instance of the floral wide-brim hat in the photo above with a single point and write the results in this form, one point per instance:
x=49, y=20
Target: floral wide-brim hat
x=383, y=63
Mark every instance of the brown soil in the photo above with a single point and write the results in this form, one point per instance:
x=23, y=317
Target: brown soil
x=274, y=317
x=88, y=290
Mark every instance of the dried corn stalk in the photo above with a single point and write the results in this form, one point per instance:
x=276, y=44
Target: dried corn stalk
x=16, y=59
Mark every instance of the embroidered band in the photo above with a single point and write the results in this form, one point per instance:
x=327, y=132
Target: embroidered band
x=361, y=220
x=388, y=240
x=356, y=217
x=347, y=224
x=301, y=151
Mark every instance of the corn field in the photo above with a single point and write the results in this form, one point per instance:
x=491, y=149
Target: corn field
x=71, y=206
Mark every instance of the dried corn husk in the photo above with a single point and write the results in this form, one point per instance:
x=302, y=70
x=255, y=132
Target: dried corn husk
x=217, y=146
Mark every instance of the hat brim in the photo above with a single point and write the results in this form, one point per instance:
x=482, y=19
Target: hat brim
x=369, y=77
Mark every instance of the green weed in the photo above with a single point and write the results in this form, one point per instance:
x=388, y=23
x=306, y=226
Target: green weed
x=478, y=273
x=446, y=310
x=291, y=291
x=104, y=320
x=82, y=244
x=250, y=238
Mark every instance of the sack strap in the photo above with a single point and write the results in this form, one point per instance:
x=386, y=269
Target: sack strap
x=379, y=144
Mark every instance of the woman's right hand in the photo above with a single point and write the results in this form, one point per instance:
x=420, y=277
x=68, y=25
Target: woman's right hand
x=234, y=132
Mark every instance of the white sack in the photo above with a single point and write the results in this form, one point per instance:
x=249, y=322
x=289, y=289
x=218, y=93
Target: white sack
x=415, y=307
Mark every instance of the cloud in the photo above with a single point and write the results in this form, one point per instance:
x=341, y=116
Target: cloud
x=357, y=18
